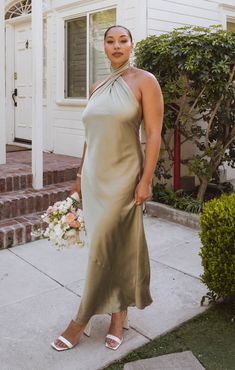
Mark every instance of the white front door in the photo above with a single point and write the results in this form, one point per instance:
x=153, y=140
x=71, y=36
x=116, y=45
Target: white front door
x=23, y=81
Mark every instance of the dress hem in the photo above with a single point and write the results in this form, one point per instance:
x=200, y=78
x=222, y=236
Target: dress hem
x=113, y=310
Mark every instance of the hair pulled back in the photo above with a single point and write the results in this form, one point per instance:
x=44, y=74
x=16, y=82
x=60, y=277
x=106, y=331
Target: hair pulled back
x=115, y=26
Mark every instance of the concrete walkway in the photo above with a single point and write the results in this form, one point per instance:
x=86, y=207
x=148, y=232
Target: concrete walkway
x=40, y=290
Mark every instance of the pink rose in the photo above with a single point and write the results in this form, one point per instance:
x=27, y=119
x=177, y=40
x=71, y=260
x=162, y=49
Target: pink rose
x=70, y=217
x=75, y=224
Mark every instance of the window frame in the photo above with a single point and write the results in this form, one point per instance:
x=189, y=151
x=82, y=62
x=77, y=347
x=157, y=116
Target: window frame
x=227, y=13
x=61, y=98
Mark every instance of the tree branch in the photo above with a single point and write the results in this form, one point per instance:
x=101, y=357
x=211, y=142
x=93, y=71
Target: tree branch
x=168, y=149
x=196, y=100
x=230, y=139
x=231, y=76
x=182, y=104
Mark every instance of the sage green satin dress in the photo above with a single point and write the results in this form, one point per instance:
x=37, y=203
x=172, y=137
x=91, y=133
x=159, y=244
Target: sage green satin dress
x=118, y=273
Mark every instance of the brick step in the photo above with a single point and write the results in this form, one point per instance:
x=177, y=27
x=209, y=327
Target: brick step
x=23, y=202
x=16, y=231
x=22, y=181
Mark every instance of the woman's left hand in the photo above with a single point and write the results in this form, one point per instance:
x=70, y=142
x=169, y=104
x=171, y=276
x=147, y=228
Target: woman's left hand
x=143, y=192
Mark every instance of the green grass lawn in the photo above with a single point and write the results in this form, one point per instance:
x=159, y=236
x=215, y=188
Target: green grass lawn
x=210, y=336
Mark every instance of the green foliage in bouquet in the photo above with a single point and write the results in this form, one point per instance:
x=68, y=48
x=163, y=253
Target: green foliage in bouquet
x=218, y=246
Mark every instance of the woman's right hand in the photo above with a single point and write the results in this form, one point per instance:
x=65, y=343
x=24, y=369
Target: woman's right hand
x=76, y=187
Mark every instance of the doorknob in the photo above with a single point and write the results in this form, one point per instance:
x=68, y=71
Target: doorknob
x=15, y=93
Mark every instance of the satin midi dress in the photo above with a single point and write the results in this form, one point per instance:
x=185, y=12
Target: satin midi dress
x=118, y=272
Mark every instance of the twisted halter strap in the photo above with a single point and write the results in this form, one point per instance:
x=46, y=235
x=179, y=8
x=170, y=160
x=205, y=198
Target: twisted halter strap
x=115, y=73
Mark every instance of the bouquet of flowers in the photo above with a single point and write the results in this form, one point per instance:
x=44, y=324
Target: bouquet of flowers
x=65, y=222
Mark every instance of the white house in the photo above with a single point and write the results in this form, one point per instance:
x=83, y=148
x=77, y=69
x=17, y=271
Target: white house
x=73, y=58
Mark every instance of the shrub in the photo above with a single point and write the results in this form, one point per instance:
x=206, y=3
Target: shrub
x=218, y=246
x=179, y=199
x=196, y=69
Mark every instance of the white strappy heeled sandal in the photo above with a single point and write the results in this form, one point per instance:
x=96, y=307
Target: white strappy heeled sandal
x=69, y=345
x=65, y=341
x=115, y=338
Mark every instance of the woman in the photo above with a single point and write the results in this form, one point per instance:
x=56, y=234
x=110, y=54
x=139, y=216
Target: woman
x=115, y=180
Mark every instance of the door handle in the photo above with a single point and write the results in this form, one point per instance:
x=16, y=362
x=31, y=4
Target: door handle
x=14, y=94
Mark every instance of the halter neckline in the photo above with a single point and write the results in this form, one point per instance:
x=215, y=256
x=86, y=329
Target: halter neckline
x=118, y=71
x=114, y=75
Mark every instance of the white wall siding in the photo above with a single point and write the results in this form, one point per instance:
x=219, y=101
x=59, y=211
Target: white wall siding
x=165, y=15
x=225, y=2
x=126, y=14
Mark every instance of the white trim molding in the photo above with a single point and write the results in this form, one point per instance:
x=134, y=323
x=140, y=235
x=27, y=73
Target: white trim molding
x=10, y=82
x=21, y=19
x=2, y=85
x=227, y=13
x=89, y=5
x=48, y=135
x=72, y=102
x=37, y=94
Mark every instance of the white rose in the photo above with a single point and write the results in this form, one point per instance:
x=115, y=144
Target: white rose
x=71, y=236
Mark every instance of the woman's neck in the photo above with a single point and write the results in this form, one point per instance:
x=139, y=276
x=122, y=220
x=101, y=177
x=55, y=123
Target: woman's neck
x=117, y=66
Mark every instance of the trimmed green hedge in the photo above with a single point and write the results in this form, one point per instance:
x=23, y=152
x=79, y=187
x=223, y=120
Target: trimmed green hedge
x=218, y=245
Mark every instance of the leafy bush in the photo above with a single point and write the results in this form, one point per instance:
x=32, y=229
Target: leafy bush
x=178, y=199
x=196, y=69
x=162, y=172
x=218, y=246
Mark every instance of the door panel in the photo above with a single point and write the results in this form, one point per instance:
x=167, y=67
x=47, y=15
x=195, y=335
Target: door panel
x=23, y=81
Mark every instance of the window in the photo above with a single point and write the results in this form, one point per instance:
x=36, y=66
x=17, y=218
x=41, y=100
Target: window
x=85, y=60
x=76, y=57
x=231, y=25
x=21, y=8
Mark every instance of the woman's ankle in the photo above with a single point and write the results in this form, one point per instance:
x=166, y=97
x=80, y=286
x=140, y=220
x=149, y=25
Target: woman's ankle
x=122, y=313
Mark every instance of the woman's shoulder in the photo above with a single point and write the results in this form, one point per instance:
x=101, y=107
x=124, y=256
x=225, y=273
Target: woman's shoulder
x=146, y=80
x=143, y=75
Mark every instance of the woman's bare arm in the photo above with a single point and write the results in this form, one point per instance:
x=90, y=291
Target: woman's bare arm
x=83, y=158
x=152, y=104
x=152, y=101
x=76, y=187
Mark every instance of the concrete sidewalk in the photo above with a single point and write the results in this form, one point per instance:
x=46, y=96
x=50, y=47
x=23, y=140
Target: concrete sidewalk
x=40, y=290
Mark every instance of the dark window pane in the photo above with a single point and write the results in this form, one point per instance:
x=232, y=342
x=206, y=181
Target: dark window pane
x=230, y=26
x=76, y=58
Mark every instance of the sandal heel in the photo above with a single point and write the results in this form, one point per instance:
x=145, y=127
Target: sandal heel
x=87, y=330
x=126, y=323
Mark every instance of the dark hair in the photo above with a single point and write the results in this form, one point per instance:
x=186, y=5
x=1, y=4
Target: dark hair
x=117, y=25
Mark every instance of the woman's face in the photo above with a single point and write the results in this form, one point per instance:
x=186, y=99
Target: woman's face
x=118, y=46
